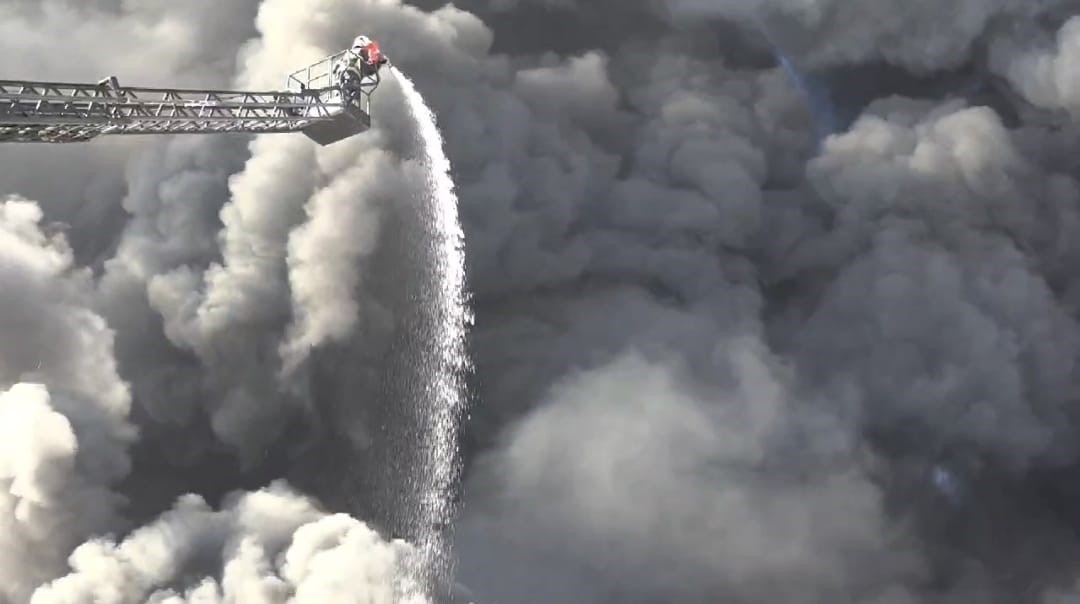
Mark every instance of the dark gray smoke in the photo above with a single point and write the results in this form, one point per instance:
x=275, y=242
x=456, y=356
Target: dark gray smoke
x=715, y=361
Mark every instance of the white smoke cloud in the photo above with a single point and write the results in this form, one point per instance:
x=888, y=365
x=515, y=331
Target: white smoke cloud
x=326, y=255
x=56, y=476
x=234, y=310
x=266, y=259
x=154, y=43
x=647, y=192
x=1045, y=74
x=634, y=463
x=273, y=546
x=63, y=442
x=62, y=40
x=63, y=447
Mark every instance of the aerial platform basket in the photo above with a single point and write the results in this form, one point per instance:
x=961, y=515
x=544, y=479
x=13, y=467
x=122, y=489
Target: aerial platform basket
x=348, y=115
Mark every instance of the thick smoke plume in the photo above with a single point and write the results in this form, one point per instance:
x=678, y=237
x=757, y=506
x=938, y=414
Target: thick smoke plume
x=716, y=358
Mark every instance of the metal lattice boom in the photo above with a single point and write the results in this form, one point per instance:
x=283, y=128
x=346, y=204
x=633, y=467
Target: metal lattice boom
x=65, y=113
x=45, y=112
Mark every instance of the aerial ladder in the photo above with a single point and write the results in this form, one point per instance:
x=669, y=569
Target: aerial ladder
x=325, y=101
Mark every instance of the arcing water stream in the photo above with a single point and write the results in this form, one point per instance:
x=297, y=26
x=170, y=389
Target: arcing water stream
x=439, y=461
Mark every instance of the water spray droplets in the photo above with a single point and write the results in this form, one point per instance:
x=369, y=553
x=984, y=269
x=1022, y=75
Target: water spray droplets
x=446, y=400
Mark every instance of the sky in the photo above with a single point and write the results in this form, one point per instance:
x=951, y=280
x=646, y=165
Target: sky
x=774, y=302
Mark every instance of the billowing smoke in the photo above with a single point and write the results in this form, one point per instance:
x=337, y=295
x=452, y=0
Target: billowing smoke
x=65, y=445
x=715, y=359
x=271, y=545
x=1039, y=66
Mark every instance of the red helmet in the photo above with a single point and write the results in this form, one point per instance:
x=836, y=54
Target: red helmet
x=373, y=52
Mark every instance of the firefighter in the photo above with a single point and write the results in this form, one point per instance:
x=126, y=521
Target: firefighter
x=364, y=61
x=369, y=57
